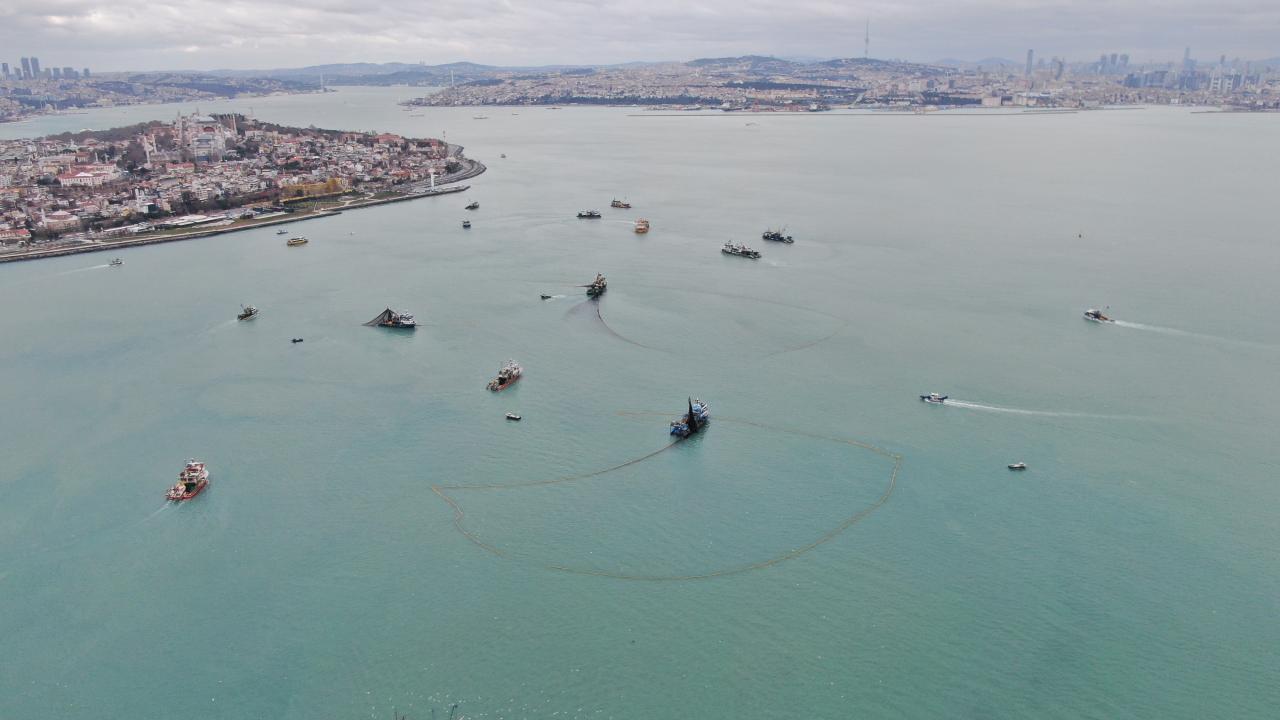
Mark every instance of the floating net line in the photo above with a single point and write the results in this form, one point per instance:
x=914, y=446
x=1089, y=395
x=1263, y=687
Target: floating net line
x=459, y=515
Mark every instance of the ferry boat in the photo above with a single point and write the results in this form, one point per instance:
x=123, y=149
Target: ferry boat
x=1095, y=315
x=691, y=422
x=642, y=226
x=296, y=241
x=394, y=319
x=588, y=214
x=597, y=286
x=620, y=204
x=509, y=375
x=193, y=478
x=777, y=236
x=473, y=205
x=466, y=224
x=116, y=262
x=247, y=312
x=740, y=250
x=934, y=398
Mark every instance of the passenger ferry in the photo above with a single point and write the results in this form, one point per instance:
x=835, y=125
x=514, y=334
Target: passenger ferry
x=296, y=241
x=642, y=226
x=193, y=478
x=588, y=214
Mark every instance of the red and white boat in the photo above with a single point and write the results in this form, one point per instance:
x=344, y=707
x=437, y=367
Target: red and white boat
x=193, y=478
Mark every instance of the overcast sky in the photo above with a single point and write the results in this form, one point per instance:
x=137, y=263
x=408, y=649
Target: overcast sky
x=205, y=34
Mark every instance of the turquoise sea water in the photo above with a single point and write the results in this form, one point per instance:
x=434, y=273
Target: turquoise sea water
x=1131, y=572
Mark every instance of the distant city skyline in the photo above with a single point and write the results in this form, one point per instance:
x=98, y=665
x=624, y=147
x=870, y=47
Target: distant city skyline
x=235, y=34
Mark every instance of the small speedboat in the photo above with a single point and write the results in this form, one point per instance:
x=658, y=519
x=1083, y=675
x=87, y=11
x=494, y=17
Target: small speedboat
x=247, y=312
x=546, y=297
x=1018, y=466
x=466, y=223
x=934, y=398
x=296, y=340
x=504, y=155
x=116, y=262
x=473, y=205
x=1095, y=315
x=282, y=232
x=512, y=416
x=588, y=214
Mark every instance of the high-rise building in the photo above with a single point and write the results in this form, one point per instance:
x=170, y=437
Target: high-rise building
x=55, y=73
x=1114, y=59
x=26, y=68
x=4, y=69
x=1124, y=61
x=86, y=72
x=35, y=66
x=1058, y=67
x=1030, y=55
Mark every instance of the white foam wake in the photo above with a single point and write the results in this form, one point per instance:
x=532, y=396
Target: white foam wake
x=1019, y=411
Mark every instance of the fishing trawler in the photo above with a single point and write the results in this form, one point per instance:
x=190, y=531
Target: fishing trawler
x=934, y=398
x=1095, y=315
x=691, y=422
x=247, y=312
x=193, y=478
x=740, y=250
x=473, y=205
x=777, y=236
x=509, y=375
x=620, y=204
x=393, y=319
x=642, y=226
x=597, y=286
x=116, y=262
x=296, y=241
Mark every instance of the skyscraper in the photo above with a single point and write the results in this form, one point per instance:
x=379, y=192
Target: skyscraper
x=35, y=66
x=26, y=68
x=4, y=69
x=55, y=72
x=68, y=72
x=1030, y=55
x=86, y=72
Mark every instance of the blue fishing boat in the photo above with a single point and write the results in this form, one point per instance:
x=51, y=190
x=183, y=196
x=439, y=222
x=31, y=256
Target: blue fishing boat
x=691, y=422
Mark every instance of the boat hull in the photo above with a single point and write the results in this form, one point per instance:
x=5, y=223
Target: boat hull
x=185, y=496
x=494, y=386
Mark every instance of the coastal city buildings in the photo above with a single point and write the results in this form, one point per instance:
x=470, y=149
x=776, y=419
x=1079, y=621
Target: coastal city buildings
x=27, y=89
x=196, y=170
x=771, y=84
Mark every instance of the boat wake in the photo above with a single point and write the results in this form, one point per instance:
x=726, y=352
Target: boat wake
x=1174, y=332
x=83, y=269
x=951, y=402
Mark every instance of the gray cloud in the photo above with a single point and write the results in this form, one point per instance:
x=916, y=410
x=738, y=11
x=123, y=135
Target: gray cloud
x=137, y=34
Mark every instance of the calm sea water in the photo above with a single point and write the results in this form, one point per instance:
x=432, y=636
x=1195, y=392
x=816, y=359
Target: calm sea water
x=1131, y=572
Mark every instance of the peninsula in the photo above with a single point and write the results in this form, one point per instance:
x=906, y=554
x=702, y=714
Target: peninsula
x=203, y=175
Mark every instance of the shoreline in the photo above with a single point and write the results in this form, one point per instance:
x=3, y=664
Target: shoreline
x=474, y=169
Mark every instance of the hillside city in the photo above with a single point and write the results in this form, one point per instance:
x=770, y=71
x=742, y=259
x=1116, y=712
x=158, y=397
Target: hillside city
x=27, y=89
x=199, y=171
x=765, y=84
